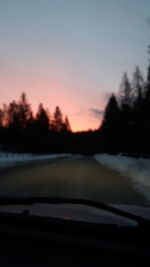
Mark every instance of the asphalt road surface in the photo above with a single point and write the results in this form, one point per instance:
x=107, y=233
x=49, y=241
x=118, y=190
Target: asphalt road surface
x=74, y=177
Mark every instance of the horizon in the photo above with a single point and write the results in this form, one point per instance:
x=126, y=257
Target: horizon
x=71, y=53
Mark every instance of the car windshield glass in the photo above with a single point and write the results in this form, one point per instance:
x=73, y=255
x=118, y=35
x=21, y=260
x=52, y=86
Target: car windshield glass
x=75, y=101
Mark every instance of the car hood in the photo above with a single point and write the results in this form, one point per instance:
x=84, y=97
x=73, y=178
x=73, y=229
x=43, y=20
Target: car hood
x=82, y=213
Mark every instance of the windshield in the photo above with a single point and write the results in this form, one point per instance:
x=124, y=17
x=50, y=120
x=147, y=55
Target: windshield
x=75, y=100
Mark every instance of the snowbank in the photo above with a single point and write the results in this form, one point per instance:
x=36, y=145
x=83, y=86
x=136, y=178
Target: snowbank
x=12, y=159
x=137, y=169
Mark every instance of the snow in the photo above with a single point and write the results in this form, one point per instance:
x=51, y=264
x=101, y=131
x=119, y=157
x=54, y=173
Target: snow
x=12, y=159
x=137, y=169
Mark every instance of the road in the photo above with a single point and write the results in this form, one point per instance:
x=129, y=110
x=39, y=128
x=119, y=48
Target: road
x=75, y=177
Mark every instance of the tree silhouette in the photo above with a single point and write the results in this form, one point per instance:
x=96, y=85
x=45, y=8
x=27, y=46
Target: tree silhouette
x=1, y=118
x=146, y=117
x=111, y=114
x=18, y=114
x=25, y=112
x=126, y=100
x=135, y=124
x=111, y=122
x=138, y=86
x=147, y=95
x=126, y=92
x=58, y=120
x=42, y=119
x=13, y=116
x=125, y=126
x=67, y=126
x=5, y=116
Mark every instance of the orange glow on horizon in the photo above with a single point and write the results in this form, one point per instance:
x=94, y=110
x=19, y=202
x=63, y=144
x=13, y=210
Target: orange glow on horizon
x=52, y=91
x=82, y=125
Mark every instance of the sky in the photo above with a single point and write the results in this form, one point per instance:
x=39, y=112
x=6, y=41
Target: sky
x=71, y=53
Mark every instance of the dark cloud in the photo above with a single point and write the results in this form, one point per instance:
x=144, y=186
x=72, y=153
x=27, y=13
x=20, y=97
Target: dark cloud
x=93, y=112
x=96, y=112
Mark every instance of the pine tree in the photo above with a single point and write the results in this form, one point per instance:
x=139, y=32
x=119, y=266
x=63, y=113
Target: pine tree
x=13, y=116
x=58, y=120
x=1, y=118
x=111, y=125
x=42, y=119
x=5, y=119
x=111, y=115
x=137, y=83
x=25, y=112
x=147, y=94
x=67, y=125
x=146, y=117
x=138, y=88
x=126, y=92
x=126, y=103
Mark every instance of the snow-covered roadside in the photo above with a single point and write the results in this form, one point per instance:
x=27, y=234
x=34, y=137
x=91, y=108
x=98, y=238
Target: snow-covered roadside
x=136, y=169
x=12, y=159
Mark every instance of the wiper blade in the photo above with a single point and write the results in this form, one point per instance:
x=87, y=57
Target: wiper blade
x=58, y=200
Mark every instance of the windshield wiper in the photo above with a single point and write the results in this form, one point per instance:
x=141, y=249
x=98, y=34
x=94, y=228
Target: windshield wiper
x=57, y=200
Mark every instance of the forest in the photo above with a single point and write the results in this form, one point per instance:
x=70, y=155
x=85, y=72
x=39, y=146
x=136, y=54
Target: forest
x=126, y=123
x=125, y=126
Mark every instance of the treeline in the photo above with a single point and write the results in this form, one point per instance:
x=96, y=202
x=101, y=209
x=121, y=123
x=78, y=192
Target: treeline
x=19, y=115
x=20, y=130
x=126, y=123
x=125, y=127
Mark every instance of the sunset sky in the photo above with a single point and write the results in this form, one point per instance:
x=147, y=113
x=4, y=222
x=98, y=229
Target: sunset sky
x=71, y=53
